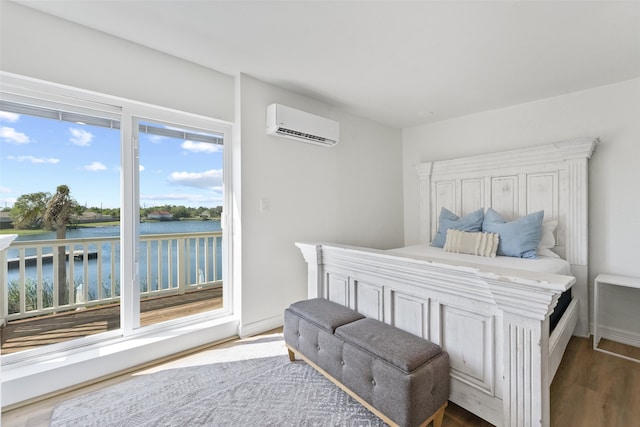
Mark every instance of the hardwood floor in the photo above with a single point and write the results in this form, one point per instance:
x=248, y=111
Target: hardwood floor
x=596, y=389
x=591, y=389
x=35, y=332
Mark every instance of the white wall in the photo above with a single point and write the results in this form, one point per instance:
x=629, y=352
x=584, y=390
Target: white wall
x=350, y=193
x=610, y=112
x=41, y=46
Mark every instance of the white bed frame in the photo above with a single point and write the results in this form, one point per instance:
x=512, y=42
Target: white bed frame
x=493, y=323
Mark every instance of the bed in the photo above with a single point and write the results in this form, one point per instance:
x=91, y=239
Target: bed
x=504, y=321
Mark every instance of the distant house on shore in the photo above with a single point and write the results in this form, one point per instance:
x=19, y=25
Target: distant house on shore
x=5, y=220
x=160, y=215
x=88, y=217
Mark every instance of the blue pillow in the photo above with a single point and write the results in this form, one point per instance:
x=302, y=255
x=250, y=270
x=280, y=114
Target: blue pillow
x=518, y=238
x=447, y=220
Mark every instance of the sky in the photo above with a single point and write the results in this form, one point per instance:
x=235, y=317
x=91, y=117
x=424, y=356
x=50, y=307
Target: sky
x=38, y=154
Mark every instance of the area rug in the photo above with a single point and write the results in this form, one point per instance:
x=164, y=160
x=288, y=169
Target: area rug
x=262, y=391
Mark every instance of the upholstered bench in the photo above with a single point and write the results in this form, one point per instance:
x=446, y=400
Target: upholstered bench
x=400, y=377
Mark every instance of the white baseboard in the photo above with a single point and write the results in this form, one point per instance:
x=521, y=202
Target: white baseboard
x=254, y=328
x=620, y=335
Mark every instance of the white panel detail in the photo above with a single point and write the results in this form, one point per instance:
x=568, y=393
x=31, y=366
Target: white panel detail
x=527, y=383
x=577, y=243
x=472, y=194
x=426, y=230
x=504, y=196
x=411, y=314
x=445, y=197
x=338, y=289
x=368, y=300
x=542, y=194
x=467, y=337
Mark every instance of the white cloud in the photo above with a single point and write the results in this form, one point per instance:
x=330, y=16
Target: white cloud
x=194, y=200
x=201, y=147
x=5, y=189
x=165, y=197
x=10, y=135
x=95, y=166
x=36, y=160
x=80, y=137
x=8, y=202
x=6, y=116
x=210, y=179
x=141, y=168
x=155, y=139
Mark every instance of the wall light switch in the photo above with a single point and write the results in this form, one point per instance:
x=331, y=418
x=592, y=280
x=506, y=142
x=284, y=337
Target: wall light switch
x=264, y=205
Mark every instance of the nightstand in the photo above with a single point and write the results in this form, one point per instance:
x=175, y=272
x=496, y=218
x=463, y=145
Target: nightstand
x=609, y=280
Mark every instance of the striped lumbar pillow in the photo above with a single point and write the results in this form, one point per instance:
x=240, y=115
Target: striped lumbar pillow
x=473, y=243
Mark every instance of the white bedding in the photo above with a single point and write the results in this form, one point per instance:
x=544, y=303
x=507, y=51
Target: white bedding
x=550, y=265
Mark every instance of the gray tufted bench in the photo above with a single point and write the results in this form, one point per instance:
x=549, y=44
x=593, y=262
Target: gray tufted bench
x=400, y=377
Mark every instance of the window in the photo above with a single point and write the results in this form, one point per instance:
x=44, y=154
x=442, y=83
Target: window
x=144, y=237
x=60, y=187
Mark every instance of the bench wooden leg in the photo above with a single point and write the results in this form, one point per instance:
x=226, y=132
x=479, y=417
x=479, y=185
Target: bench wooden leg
x=292, y=355
x=437, y=417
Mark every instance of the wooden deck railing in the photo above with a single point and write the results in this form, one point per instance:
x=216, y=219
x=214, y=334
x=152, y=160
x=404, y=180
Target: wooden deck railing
x=168, y=264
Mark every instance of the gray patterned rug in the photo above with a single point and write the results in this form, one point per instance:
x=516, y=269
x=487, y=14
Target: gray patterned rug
x=267, y=391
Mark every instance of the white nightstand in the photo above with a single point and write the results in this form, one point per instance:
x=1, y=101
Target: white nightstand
x=613, y=280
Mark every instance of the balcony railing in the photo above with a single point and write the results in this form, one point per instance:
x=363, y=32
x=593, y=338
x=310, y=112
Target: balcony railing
x=168, y=264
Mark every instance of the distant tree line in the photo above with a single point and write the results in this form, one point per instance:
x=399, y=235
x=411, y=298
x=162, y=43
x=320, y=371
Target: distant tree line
x=29, y=212
x=181, y=212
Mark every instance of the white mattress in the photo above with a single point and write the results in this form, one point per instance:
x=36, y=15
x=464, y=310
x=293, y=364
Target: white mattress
x=539, y=265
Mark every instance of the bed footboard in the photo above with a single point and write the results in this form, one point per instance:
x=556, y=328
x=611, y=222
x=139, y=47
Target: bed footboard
x=493, y=324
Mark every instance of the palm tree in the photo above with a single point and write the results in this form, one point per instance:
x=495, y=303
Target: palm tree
x=57, y=215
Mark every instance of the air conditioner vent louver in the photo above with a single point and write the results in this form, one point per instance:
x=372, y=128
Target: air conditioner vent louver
x=303, y=135
x=294, y=124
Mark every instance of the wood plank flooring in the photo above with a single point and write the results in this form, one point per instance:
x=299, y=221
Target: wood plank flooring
x=596, y=389
x=31, y=333
x=591, y=389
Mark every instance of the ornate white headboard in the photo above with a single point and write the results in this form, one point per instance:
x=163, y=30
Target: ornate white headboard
x=553, y=178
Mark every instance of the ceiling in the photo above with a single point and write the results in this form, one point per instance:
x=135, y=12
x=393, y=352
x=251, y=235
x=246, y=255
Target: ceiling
x=399, y=63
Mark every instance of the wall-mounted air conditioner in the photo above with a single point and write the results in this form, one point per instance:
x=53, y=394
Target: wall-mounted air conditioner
x=295, y=124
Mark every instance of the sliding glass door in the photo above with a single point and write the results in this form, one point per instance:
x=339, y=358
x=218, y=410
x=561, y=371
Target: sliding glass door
x=120, y=212
x=180, y=237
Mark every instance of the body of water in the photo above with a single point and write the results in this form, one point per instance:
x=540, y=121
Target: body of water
x=155, y=227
